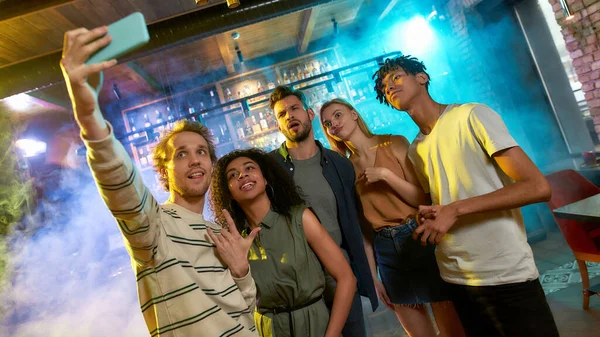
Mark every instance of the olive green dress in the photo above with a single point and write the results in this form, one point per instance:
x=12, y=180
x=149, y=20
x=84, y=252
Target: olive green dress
x=289, y=278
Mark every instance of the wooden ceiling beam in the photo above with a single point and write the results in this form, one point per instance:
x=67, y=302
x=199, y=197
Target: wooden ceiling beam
x=15, y=8
x=226, y=53
x=306, y=28
x=42, y=70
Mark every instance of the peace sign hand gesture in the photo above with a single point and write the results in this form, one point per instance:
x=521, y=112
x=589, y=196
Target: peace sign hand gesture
x=232, y=247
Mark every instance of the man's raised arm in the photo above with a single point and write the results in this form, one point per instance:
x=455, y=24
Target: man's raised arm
x=121, y=187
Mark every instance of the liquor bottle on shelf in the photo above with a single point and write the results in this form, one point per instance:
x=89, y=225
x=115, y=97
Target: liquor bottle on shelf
x=327, y=65
x=259, y=87
x=315, y=66
x=239, y=130
x=255, y=126
x=203, y=117
x=136, y=135
x=224, y=133
x=202, y=107
x=263, y=122
x=286, y=79
x=215, y=136
x=149, y=155
x=293, y=78
x=213, y=99
x=170, y=118
x=300, y=72
x=228, y=95
x=334, y=64
x=313, y=98
x=247, y=91
x=322, y=67
x=191, y=112
x=142, y=156
x=248, y=124
x=307, y=72
x=182, y=112
x=147, y=122
x=271, y=121
x=159, y=120
x=170, y=115
x=133, y=129
x=271, y=85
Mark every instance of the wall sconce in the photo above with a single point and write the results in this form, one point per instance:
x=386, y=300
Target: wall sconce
x=201, y=2
x=566, y=10
x=239, y=54
x=233, y=3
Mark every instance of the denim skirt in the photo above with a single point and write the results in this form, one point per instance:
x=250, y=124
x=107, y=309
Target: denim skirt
x=407, y=269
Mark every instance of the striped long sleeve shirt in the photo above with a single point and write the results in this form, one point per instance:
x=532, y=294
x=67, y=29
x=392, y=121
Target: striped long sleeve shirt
x=183, y=288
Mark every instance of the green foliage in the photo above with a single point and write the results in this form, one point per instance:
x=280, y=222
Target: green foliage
x=15, y=188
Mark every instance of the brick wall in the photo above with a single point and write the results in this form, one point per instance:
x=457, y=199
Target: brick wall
x=581, y=34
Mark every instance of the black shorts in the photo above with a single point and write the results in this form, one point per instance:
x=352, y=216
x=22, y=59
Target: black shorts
x=511, y=310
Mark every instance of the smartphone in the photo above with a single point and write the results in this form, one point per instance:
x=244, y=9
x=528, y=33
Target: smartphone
x=127, y=34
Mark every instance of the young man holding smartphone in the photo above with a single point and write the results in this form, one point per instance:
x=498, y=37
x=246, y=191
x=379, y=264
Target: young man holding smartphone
x=183, y=288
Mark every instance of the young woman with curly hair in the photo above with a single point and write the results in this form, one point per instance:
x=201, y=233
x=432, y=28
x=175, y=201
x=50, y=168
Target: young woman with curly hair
x=286, y=257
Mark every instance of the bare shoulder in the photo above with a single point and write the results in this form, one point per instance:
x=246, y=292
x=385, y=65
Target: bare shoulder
x=399, y=145
x=309, y=219
x=307, y=213
x=399, y=139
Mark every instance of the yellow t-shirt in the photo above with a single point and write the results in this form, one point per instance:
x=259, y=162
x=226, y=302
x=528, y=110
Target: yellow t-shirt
x=454, y=162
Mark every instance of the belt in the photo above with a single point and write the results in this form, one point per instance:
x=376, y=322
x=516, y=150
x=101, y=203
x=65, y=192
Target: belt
x=289, y=311
x=389, y=232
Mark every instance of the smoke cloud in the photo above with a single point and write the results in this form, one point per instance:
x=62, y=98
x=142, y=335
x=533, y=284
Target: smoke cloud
x=70, y=273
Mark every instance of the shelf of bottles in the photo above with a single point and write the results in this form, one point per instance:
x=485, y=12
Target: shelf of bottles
x=247, y=111
x=306, y=71
x=236, y=110
x=251, y=118
x=146, y=122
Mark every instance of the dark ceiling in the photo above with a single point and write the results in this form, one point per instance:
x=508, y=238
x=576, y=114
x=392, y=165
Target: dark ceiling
x=197, y=38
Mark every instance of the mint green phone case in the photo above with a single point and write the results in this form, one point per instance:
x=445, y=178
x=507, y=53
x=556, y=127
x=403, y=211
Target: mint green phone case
x=127, y=34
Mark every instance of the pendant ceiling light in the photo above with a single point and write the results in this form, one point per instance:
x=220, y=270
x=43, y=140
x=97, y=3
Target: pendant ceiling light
x=233, y=3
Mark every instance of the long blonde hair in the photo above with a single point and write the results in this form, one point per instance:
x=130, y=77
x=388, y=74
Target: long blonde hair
x=337, y=145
